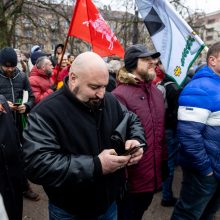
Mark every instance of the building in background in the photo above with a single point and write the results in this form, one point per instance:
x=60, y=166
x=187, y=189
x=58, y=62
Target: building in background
x=211, y=33
x=47, y=25
x=52, y=23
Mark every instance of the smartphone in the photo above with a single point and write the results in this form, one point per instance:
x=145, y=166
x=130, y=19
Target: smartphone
x=133, y=149
x=17, y=104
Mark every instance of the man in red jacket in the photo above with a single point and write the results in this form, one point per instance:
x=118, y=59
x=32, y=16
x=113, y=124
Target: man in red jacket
x=137, y=92
x=40, y=81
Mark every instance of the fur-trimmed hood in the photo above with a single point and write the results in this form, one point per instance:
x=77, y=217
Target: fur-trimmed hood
x=125, y=77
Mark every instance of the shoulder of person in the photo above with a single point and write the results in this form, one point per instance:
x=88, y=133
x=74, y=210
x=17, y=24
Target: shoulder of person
x=20, y=73
x=167, y=84
x=110, y=97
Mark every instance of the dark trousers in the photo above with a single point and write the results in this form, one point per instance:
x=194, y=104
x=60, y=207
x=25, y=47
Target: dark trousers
x=173, y=146
x=199, y=197
x=133, y=206
x=56, y=213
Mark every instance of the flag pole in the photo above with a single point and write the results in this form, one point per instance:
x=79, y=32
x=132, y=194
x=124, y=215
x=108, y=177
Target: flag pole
x=61, y=59
x=66, y=42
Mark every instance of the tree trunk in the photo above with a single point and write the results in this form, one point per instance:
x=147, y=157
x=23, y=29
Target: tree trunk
x=135, y=29
x=5, y=39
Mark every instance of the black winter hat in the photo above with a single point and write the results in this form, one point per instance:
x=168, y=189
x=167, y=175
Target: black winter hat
x=8, y=57
x=134, y=52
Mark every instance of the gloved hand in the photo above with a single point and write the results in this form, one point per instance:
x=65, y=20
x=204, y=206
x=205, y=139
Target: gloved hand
x=165, y=170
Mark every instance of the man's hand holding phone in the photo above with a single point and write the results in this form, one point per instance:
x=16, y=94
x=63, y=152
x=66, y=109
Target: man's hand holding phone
x=17, y=104
x=12, y=106
x=21, y=108
x=135, y=149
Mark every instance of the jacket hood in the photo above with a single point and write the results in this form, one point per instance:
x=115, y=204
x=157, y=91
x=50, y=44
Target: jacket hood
x=125, y=77
x=206, y=71
x=38, y=72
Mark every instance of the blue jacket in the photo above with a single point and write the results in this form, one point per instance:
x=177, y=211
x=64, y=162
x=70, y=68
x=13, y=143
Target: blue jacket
x=199, y=123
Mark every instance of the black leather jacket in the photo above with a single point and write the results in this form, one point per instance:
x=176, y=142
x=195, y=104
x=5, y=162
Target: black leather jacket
x=62, y=141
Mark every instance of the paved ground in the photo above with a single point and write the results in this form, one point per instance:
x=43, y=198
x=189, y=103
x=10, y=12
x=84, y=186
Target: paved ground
x=38, y=210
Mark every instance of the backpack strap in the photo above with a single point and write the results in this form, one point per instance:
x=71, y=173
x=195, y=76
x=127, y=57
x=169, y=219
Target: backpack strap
x=168, y=83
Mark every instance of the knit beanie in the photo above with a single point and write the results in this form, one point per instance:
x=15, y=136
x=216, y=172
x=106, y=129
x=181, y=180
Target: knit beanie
x=8, y=57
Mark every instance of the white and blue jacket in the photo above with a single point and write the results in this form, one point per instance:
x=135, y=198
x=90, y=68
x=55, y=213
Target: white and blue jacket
x=199, y=123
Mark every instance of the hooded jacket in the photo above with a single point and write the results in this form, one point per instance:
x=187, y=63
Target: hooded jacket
x=199, y=124
x=40, y=83
x=62, y=141
x=145, y=100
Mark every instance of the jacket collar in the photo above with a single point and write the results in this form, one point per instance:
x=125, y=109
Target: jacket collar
x=38, y=72
x=124, y=77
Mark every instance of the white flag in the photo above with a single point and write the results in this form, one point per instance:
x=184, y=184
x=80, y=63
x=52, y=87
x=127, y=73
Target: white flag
x=178, y=44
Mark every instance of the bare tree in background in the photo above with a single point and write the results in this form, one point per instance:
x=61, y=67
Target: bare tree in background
x=135, y=28
x=27, y=22
x=9, y=12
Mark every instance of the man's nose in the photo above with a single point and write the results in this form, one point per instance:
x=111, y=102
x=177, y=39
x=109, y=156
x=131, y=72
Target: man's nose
x=151, y=61
x=10, y=68
x=101, y=92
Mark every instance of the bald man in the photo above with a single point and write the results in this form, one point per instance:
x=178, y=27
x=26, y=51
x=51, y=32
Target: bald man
x=70, y=144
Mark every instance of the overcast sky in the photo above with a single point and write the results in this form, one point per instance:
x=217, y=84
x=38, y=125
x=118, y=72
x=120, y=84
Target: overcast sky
x=203, y=5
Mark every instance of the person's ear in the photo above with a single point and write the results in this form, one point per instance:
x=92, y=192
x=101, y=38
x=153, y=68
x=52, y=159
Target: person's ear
x=73, y=76
x=212, y=61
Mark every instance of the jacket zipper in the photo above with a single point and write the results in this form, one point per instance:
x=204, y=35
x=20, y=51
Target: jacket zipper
x=12, y=90
x=152, y=117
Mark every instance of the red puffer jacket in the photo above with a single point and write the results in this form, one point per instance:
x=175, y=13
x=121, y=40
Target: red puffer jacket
x=144, y=99
x=40, y=83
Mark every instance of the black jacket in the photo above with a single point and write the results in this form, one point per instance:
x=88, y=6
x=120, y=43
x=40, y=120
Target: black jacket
x=62, y=141
x=10, y=164
x=12, y=88
x=172, y=95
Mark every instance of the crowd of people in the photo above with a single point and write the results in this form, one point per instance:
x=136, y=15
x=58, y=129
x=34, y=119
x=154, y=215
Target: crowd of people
x=103, y=138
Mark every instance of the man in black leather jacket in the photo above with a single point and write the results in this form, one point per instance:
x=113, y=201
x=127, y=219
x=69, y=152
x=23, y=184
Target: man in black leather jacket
x=68, y=146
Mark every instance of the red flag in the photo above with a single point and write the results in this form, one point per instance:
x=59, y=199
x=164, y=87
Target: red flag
x=88, y=25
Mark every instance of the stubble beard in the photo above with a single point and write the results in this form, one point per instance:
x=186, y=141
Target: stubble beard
x=9, y=73
x=147, y=75
x=92, y=103
x=48, y=73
